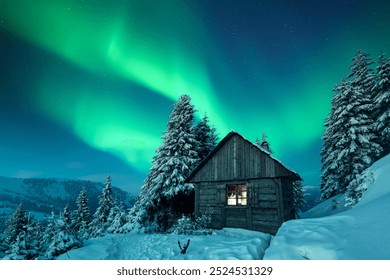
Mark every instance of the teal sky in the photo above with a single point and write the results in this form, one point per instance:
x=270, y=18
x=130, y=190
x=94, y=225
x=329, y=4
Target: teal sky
x=86, y=87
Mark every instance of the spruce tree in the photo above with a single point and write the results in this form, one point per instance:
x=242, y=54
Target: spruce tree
x=116, y=219
x=206, y=137
x=361, y=148
x=299, y=200
x=265, y=145
x=173, y=162
x=381, y=93
x=349, y=141
x=16, y=224
x=81, y=216
x=49, y=231
x=100, y=218
x=23, y=234
x=335, y=128
x=63, y=239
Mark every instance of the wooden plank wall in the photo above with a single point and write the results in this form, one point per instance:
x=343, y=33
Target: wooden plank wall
x=211, y=198
x=264, y=211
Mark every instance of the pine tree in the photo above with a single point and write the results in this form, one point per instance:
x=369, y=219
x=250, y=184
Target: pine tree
x=63, y=238
x=173, y=162
x=81, y=217
x=362, y=148
x=23, y=235
x=206, y=137
x=265, y=145
x=16, y=224
x=334, y=123
x=349, y=142
x=100, y=219
x=381, y=93
x=299, y=201
x=49, y=232
x=117, y=219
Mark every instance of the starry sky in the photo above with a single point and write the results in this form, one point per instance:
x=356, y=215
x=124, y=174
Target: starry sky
x=86, y=87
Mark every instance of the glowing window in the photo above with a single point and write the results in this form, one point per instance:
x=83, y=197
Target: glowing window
x=236, y=194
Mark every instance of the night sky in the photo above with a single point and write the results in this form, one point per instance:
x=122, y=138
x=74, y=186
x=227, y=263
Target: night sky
x=86, y=87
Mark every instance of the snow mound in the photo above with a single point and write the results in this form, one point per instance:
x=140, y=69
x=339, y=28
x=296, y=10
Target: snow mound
x=226, y=244
x=357, y=233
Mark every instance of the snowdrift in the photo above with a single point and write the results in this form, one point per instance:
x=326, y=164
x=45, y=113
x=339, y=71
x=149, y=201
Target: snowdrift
x=360, y=233
x=226, y=244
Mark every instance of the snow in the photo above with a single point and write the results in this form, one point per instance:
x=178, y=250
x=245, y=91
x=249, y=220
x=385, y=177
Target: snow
x=361, y=232
x=225, y=244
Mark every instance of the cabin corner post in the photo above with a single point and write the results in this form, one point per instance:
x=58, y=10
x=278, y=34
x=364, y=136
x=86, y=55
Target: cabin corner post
x=196, y=210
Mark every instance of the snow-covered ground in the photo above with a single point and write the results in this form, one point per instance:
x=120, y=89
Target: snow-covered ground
x=226, y=244
x=358, y=233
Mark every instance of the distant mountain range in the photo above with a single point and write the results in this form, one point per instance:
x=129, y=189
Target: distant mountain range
x=41, y=195
x=312, y=196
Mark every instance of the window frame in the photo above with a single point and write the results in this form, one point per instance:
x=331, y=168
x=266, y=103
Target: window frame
x=236, y=200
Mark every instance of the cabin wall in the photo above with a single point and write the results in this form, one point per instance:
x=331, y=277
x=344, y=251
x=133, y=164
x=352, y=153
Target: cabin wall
x=263, y=212
x=210, y=198
x=265, y=206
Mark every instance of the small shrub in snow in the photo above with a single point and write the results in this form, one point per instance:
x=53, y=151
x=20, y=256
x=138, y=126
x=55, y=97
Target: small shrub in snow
x=190, y=225
x=184, y=225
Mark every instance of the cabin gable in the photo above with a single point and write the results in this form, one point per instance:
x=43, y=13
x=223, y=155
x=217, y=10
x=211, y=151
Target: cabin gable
x=238, y=159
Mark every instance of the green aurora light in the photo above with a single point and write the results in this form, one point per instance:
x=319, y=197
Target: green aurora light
x=124, y=45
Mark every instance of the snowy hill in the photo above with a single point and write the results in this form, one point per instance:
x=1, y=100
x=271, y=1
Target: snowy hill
x=358, y=233
x=41, y=195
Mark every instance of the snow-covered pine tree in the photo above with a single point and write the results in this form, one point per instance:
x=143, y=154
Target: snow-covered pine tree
x=66, y=217
x=361, y=148
x=349, y=141
x=26, y=245
x=81, y=216
x=16, y=224
x=173, y=162
x=334, y=123
x=381, y=93
x=205, y=136
x=299, y=201
x=100, y=218
x=63, y=238
x=265, y=145
x=116, y=219
x=49, y=231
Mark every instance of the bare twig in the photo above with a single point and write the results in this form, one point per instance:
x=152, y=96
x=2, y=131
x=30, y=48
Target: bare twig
x=183, y=250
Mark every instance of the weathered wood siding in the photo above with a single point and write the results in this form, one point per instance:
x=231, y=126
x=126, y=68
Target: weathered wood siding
x=264, y=203
x=238, y=159
x=210, y=198
x=262, y=213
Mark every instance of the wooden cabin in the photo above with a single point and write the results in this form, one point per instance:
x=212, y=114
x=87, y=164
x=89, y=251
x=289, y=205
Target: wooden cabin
x=243, y=186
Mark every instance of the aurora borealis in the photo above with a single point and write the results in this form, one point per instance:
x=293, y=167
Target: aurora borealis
x=86, y=87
